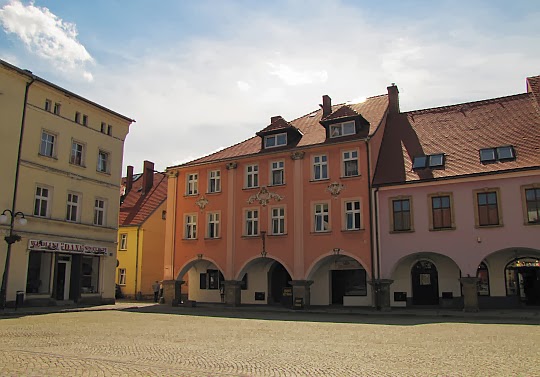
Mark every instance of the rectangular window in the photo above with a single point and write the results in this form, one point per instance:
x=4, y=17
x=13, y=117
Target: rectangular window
x=57, y=108
x=350, y=163
x=352, y=215
x=38, y=277
x=342, y=129
x=401, y=214
x=89, y=274
x=213, y=225
x=73, y=201
x=278, y=220
x=192, y=184
x=47, y=147
x=278, y=172
x=191, y=227
x=121, y=276
x=214, y=279
x=77, y=117
x=320, y=167
x=41, y=202
x=48, y=105
x=85, y=120
x=252, y=176
x=214, y=181
x=103, y=162
x=252, y=222
x=273, y=141
x=321, y=217
x=441, y=212
x=488, y=209
x=103, y=127
x=76, y=157
x=123, y=241
x=99, y=212
x=532, y=204
x=109, y=130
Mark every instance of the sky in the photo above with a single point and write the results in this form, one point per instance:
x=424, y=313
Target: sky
x=201, y=75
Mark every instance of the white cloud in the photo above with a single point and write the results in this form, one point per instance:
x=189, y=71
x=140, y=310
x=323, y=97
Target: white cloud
x=243, y=86
x=291, y=76
x=46, y=35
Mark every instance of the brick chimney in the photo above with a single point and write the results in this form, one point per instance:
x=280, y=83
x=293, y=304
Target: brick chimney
x=129, y=179
x=147, y=177
x=393, y=99
x=326, y=105
x=274, y=118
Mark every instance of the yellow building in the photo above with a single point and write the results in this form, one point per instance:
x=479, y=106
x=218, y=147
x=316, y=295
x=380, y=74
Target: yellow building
x=64, y=178
x=141, y=233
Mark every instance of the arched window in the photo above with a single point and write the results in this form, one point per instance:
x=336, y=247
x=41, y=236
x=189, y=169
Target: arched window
x=483, y=280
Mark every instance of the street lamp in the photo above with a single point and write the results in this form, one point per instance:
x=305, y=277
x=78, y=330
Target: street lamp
x=10, y=239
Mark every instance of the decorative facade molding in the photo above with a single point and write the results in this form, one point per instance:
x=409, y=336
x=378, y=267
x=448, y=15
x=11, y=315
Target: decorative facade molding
x=264, y=196
x=172, y=174
x=231, y=165
x=297, y=155
x=202, y=202
x=335, y=189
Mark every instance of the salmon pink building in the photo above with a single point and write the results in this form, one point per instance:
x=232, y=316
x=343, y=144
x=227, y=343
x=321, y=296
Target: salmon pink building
x=282, y=217
x=457, y=193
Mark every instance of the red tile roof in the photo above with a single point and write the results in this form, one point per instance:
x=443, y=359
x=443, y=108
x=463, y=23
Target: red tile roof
x=136, y=208
x=278, y=124
x=460, y=131
x=533, y=85
x=372, y=109
x=343, y=112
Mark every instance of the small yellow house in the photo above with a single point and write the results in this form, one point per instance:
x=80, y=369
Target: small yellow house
x=61, y=171
x=141, y=232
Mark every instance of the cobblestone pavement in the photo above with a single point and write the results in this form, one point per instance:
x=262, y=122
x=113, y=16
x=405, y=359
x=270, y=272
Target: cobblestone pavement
x=121, y=343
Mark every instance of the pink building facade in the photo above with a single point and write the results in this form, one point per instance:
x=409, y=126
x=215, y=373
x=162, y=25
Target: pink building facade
x=457, y=193
x=281, y=218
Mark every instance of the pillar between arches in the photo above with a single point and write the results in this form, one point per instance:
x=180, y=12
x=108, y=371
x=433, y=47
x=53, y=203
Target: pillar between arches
x=381, y=293
x=233, y=292
x=302, y=289
x=470, y=294
x=171, y=291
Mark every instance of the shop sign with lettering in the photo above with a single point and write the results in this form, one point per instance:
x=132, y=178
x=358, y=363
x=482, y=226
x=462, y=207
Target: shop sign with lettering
x=66, y=247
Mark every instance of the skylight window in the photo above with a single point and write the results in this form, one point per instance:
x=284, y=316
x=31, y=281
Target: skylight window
x=505, y=153
x=342, y=129
x=277, y=140
x=432, y=161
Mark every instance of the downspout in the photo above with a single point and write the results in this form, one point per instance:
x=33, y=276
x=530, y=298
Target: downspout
x=137, y=296
x=371, y=242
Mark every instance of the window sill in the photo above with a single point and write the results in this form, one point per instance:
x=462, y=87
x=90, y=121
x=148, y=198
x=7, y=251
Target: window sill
x=48, y=157
x=211, y=238
x=213, y=192
x=191, y=195
x=77, y=165
x=442, y=229
x=532, y=224
x=401, y=231
x=326, y=232
x=277, y=235
x=245, y=236
x=122, y=249
x=277, y=185
x=350, y=176
x=103, y=172
x=189, y=239
x=477, y=226
x=251, y=188
x=322, y=180
x=352, y=230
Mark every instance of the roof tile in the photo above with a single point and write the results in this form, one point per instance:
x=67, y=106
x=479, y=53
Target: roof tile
x=136, y=208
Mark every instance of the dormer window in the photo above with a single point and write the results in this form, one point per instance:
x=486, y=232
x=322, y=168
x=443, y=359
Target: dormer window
x=432, y=161
x=277, y=140
x=504, y=153
x=342, y=129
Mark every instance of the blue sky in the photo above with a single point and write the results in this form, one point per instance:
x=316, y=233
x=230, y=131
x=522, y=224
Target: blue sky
x=199, y=76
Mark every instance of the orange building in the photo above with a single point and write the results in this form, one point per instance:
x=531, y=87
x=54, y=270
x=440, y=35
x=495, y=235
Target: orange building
x=282, y=216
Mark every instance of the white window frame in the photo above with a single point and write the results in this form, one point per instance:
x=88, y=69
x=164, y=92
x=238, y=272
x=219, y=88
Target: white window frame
x=348, y=156
x=192, y=184
x=342, y=129
x=352, y=213
x=57, y=107
x=319, y=164
x=100, y=168
x=279, y=168
x=214, y=181
x=48, y=105
x=251, y=221
x=73, y=206
x=74, y=153
x=252, y=176
x=321, y=211
x=100, y=208
x=190, y=226
x=213, y=225
x=46, y=143
x=277, y=220
x=122, y=276
x=274, y=141
x=123, y=241
x=40, y=198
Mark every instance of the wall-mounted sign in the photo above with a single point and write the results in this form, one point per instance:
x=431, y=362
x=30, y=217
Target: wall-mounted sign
x=66, y=247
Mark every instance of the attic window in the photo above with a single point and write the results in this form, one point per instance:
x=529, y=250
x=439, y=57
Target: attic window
x=277, y=140
x=342, y=129
x=505, y=153
x=432, y=161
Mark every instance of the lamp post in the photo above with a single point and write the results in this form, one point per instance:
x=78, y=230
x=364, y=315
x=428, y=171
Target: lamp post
x=10, y=239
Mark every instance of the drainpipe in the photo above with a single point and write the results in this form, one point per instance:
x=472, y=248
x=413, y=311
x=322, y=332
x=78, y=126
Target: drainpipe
x=371, y=241
x=137, y=266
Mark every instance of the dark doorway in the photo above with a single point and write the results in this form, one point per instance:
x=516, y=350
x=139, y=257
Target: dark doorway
x=60, y=280
x=523, y=280
x=278, y=278
x=425, y=283
x=347, y=283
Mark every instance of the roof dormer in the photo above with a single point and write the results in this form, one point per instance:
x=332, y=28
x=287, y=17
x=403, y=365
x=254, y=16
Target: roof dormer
x=279, y=134
x=343, y=122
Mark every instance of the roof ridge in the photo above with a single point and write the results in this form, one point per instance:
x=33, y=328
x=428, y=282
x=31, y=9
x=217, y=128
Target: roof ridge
x=478, y=102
